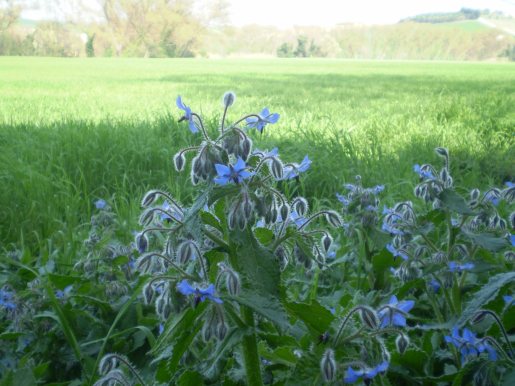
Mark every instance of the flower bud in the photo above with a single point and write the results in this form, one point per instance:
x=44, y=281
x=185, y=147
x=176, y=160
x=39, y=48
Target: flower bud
x=232, y=282
x=149, y=198
x=146, y=217
x=478, y=317
x=401, y=343
x=333, y=218
x=107, y=363
x=327, y=240
x=442, y=152
x=228, y=99
x=368, y=317
x=474, y=194
x=246, y=148
x=207, y=332
x=247, y=207
x=300, y=205
x=221, y=330
x=186, y=252
x=179, y=161
x=285, y=211
x=141, y=242
x=328, y=365
x=148, y=293
x=276, y=168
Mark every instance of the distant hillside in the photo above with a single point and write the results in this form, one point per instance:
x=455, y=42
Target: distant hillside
x=446, y=17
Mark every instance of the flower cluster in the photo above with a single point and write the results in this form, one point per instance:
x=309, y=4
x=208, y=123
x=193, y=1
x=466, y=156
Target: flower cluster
x=469, y=345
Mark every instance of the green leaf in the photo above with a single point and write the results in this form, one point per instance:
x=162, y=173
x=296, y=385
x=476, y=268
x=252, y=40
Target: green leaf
x=413, y=360
x=19, y=377
x=488, y=241
x=209, y=219
x=267, y=306
x=455, y=202
x=316, y=317
x=485, y=295
x=190, y=378
x=62, y=281
x=120, y=260
x=264, y=235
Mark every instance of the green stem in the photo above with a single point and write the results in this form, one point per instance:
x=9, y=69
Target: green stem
x=250, y=351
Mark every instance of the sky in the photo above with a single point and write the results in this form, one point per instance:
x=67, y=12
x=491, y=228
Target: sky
x=287, y=13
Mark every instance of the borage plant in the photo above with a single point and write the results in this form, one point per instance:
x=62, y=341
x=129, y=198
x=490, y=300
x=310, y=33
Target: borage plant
x=228, y=275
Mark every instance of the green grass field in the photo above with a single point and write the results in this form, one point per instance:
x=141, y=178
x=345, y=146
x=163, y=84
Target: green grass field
x=74, y=130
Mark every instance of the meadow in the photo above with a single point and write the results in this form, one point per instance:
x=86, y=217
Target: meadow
x=75, y=130
x=82, y=140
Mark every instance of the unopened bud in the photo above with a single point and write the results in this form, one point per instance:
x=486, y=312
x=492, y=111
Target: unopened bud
x=228, y=99
x=107, y=363
x=301, y=206
x=179, y=161
x=368, y=317
x=327, y=240
x=141, y=242
x=232, y=282
x=285, y=211
x=474, y=194
x=149, y=198
x=276, y=168
x=442, y=152
x=401, y=343
x=247, y=208
x=148, y=293
x=186, y=252
x=333, y=218
x=207, y=332
x=146, y=217
x=221, y=330
x=328, y=365
x=478, y=317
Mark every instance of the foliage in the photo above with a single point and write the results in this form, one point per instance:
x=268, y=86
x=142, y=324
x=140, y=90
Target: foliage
x=248, y=285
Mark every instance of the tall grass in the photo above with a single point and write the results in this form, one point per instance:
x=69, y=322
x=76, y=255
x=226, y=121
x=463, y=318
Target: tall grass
x=72, y=131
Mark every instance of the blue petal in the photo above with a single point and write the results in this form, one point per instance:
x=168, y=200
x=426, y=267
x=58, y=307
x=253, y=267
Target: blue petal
x=264, y=113
x=399, y=320
x=240, y=165
x=179, y=103
x=222, y=170
x=273, y=118
x=393, y=300
x=223, y=180
x=185, y=288
x=244, y=174
x=406, y=305
x=191, y=124
x=352, y=376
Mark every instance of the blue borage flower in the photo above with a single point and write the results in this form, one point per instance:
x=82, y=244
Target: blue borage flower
x=201, y=294
x=423, y=172
x=352, y=376
x=7, y=299
x=469, y=345
x=435, y=285
x=292, y=170
x=512, y=240
x=173, y=213
x=457, y=267
x=264, y=118
x=392, y=314
x=187, y=115
x=294, y=217
x=61, y=294
x=396, y=252
x=508, y=299
x=100, y=204
x=236, y=173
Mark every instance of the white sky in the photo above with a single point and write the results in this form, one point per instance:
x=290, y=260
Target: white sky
x=285, y=13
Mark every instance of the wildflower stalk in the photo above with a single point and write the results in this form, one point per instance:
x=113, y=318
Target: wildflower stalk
x=250, y=352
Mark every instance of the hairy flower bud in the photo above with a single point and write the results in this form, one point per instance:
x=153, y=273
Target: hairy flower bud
x=285, y=211
x=247, y=207
x=221, y=330
x=328, y=365
x=107, y=363
x=327, y=240
x=179, y=161
x=333, y=218
x=149, y=198
x=474, y=194
x=442, y=152
x=141, y=241
x=146, y=217
x=148, y=293
x=276, y=168
x=401, y=343
x=478, y=317
x=232, y=282
x=300, y=205
x=368, y=317
x=228, y=99
x=186, y=252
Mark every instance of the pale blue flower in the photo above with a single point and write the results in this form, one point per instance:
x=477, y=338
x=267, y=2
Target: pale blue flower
x=200, y=293
x=187, y=115
x=469, y=345
x=393, y=313
x=292, y=171
x=100, y=204
x=352, y=376
x=236, y=173
x=264, y=118
x=457, y=267
x=396, y=252
x=423, y=173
